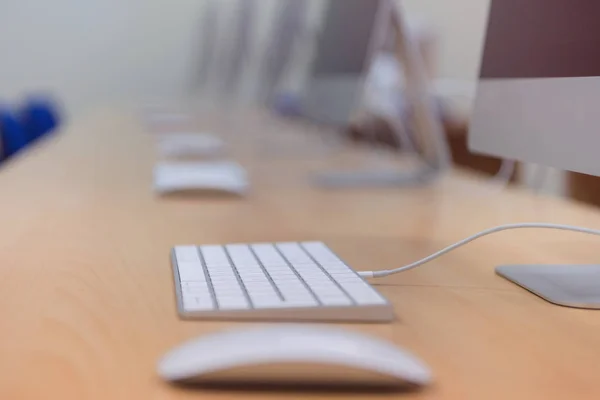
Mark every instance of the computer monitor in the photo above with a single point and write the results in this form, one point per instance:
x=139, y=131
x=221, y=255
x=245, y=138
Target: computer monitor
x=538, y=99
x=341, y=56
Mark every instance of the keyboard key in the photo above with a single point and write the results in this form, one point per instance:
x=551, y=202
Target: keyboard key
x=370, y=299
x=267, y=253
x=335, y=301
x=294, y=253
x=189, y=271
x=265, y=292
x=356, y=285
x=259, y=297
x=304, y=299
x=295, y=284
x=365, y=295
x=258, y=284
x=227, y=287
x=338, y=270
x=284, y=277
x=198, y=303
x=195, y=290
x=295, y=293
x=193, y=284
x=249, y=268
x=240, y=251
x=233, y=304
x=320, y=252
x=301, y=302
x=270, y=304
x=222, y=276
x=187, y=253
x=255, y=280
x=214, y=255
x=253, y=276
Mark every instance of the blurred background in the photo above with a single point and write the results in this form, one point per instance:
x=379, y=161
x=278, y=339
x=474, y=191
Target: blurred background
x=309, y=57
x=96, y=52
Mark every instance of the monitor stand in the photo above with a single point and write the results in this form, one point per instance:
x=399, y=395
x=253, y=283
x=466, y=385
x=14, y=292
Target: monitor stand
x=430, y=133
x=376, y=178
x=576, y=286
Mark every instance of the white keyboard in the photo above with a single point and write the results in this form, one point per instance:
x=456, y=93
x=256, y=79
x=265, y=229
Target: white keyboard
x=274, y=281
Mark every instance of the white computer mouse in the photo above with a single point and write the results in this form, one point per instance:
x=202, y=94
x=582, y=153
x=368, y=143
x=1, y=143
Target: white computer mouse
x=189, y=144
x=217, y=176
x=293, y=354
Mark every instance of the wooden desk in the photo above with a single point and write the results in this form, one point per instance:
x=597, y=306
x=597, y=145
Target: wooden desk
x=86, y=295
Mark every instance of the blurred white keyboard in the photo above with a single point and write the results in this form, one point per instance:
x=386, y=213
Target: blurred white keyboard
x=273, y=281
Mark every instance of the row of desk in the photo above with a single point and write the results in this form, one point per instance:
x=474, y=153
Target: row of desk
x=86, y=292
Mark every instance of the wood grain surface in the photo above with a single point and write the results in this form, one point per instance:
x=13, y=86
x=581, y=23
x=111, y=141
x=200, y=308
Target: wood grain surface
x=86, y=295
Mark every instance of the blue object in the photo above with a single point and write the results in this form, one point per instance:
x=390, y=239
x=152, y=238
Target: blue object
x=40, y=117
x=12, y=133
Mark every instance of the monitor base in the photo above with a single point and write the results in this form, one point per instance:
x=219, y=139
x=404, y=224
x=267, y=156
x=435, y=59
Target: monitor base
x=575, y=286
x=374, y=178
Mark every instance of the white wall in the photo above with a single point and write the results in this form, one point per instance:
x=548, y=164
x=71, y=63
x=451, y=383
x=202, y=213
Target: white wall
x=461, y=28
x=94, y=51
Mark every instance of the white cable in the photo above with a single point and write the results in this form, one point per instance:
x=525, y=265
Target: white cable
x=380, y=274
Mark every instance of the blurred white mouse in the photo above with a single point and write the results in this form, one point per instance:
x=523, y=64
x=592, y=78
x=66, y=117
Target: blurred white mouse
x=217, y=176
x=293, y=354
x=189, y=144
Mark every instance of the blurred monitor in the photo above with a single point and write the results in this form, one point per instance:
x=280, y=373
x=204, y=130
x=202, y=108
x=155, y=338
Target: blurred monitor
x=341, y=58
x=538, y=99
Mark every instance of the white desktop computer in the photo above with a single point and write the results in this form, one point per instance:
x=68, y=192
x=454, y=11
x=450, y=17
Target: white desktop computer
x=539, y=95
x=539, y=101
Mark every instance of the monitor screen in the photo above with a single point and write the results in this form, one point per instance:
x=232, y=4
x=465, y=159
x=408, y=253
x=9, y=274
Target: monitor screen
x=542, y=39
x=538, y=98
